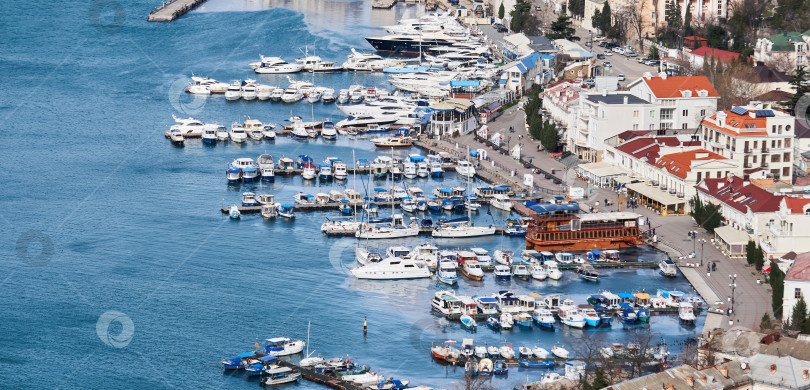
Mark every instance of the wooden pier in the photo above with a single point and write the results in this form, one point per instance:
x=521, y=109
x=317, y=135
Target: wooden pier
x=383, y=4
x=171, y=10
x=317, y=377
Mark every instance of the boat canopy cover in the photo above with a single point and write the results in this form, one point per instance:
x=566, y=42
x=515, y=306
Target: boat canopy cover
x=487, y=300
x=464, y=83
x=380, y=189
x=277, y=340
x=597, y=296
x=307, y=196
x=545, y=208
x=445, y=190
x=288, y=206
x=417, y=158
x=235, y=360
x=626, y=295
x=596, y=252
x=279, y=370
x=257, y=366
x=625, y=306
x=247, y=354
x=643, y=296
x=268, y=358
x=503, y=188
x=233, y=169
x=249, y=169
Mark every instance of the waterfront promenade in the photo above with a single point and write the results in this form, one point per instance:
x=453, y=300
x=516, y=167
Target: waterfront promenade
x=751, y=295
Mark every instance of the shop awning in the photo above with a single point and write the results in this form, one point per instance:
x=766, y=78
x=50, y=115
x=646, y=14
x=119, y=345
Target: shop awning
x=731, y=236
x=655, y=194
x=603, y=169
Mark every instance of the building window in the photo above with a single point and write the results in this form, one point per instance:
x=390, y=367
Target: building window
x=702, y=112
x=797, y=293
x=683, y=126
x=635, y=126
x=787, y=142
x=685, y=112
x=635, y=114
x=666, y=113
x=773, y=129
x=785, y=172
x=652, y=114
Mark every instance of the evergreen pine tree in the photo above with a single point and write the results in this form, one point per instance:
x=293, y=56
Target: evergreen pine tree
x=777, y=281
x=749, y=252
x=799, y=315
x=765, y=324
x=501, y=12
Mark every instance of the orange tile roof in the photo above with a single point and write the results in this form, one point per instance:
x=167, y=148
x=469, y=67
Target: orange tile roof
x=720, y=55
x=672, y=86
x=679, y=164
x=800, y=270
x=734, y=122
x=796, y=205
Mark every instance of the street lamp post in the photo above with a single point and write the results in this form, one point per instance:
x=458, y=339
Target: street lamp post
x=693, y=235
x=733, y=286
x=702, y=241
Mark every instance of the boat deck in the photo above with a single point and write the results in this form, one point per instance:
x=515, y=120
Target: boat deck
x=317, y=377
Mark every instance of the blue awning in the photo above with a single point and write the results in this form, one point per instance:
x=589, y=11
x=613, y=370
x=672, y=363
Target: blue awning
x=626, y=295
x=596, y=252
x=247, y=354
x=625, y=306
x=268, y=358
x=465, y=83
x=502, y=81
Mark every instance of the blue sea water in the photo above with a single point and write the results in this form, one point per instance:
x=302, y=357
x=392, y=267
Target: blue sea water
x=119, y=270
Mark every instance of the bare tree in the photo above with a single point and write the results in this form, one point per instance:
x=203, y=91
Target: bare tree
x=588, y=348
x=472, y=382
x=636, y=353
x=634, y=15
x=781, y=61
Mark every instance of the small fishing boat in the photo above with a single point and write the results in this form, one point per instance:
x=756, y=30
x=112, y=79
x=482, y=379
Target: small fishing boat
x=467, y=348
x=544, y=318
x=408, y=204
x=280, y=375
x=445, y=352
x=686, y=313
x=587, y=272
x=506, y=351
x=539, y=272
x=523, y=319
x=436, y=170
x=485, y=367
x=468, y=322
x=286, y=210
x=446, y=272
x=471, y=367
x=528, y=364
x=304, y=199
x=493, y=323
x=506, y=321
x=493, y=351
x=627, y=314
x=540, y=352
x=234, y=212
x=370, y=208
x=553, y=272
x=572, y=318
x=525, y=352
x=667, y=268
x=282, y=346
x=589, y=314
x=237, y=363
x=233, y=174
x=209, y=134
x=249, y=199
x=559, y=352
x=176, y=137
x=269, y=211
x=472, y=270
x=502, y=272
x=500, y=368
x=481, y=352
x=501, y=202
x=643, y=315
x=520, y=271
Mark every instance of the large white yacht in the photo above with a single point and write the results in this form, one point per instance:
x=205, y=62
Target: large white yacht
x=393, y=268
x=395, y=228
x=358, y=62
x=275, y=65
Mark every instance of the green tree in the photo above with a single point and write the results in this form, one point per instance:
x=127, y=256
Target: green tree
x=777, y=280
x=561, y=29
x=549, y=136
x=521, y=15
x=799, y=315
x=596, y=19
x=765, y=324
x=672, y=15
x=759, y=259
x=716, y=37
x=576, y=7
x=606, y=19
x=798, y=81
x=501, y=12
x=654, y=53
x=711, y=217
x=687, y=23
x=750, y=248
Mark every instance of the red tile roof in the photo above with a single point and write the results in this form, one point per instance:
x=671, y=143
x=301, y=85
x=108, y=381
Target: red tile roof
x=733, y=192
x=739, y=125
x=649, y=147
x=717, y=54
x=800, y=270
x=679, y=164
x=796, y=205
x=671, y=86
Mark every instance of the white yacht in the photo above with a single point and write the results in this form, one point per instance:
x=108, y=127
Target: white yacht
x=249, y=91
x=343, y=96
x=446, y=272
x=465, y=168
x=264, y=91
x=291, y=95
x=238, y=133
x=409, y=170
x=276, y=94
x=551, y=270
x=314, y=96
x=266, y=167
x=234, y=91
x=187, y=125
x=422, y=169
x=360, y=62
x=462, y=229
x=340, y=171
x=328, y=130
x=393, y=268
x=269, y=131
x=209, y=133
x=205, y=86
x=275, y=65
x=396, y=228
x=502, y=202
x=222, y=133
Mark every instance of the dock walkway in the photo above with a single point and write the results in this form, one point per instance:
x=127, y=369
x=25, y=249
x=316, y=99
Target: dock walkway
x=317, y=377
x=171, y=10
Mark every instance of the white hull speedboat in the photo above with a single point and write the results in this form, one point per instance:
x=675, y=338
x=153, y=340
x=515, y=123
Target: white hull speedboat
x=376, y=232
x=393, y=268
x=463, y=231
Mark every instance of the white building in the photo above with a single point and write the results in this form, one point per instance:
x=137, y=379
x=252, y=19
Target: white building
x=797, y=284
x=520, y=75
x=561, y=101
x=683, y=101
x=451, y=117
x=755, y=135
x=783, y=51
x=787, y=231
x=604, y=115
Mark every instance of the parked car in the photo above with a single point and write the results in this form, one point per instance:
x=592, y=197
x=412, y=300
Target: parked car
x=602, y=43
x=608, y=53
x=607, y=64
x=588, y=43
x=500, y=27
x=621, y=76
x=618, y=50
x=655, y=63
x=641, y=60
x=600, y=56
x=630, y=53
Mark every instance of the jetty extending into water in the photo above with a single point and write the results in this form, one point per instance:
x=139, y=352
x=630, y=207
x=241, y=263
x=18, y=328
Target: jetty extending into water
x=317, y=377
x=171, y=10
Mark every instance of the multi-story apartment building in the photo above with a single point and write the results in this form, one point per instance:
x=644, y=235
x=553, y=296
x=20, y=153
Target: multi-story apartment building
x=756, y=136
x=681, y=101
x=604, y=115
x=784, y=50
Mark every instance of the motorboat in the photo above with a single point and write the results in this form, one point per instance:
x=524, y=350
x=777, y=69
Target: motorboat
x=285, y=210
x=394, y=142
x=264, y=91
x=370, y=208
x=446, y=272
x=269, y=211
x=316, y=64
x=686, y=313
x=482, y=256
x=533, y=364
x=408, y=204
x=409, y=170
x=506, y=351
x=500, y=368
x=523, y=319
x=234, y=91
x=525, y=352
x=308, y=172
x=472, y=270
x=501, y=202
x=249, y=199
x=234, y=212
x=436, y=169
x=468, y=322
x=553, y=272
x=568, y=258
x=627, y=314
x=422, y=169
x=292, y=94
x=590, y=316
x=502, y=272
x=446, y=303
x=538, y=272
x=249, y=91
x=276, y=94
x=234, y=174
x=325, y=171
x=176, y=137
x=572, y=318
x=559, y=352
x=587, y=272
x=445, y=352
x=485, y=366
x=238, y=133
x=667, y=268
x=540, y=352
x=282, y=346
x=328, y=130
x=187, y=126
x=506, y=321
x=544, y=317
x=393, y=268
x=280, y=375
x=343, y=96
x=465, y=168
x=209, y=134
x=222, y=133
x=205, y=86
x=328, y=96
x=314, y=96
x=493, y=323
x=521, y=271
x=304, y=198
x=322, y=198
x=360, y=62
x=275, y=65
x=462, y=228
